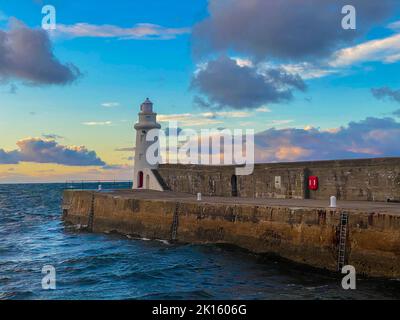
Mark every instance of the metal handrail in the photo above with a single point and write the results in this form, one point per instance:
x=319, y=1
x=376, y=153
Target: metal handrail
x=94, y=184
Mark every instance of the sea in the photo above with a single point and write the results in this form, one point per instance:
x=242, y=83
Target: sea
x=111, y=266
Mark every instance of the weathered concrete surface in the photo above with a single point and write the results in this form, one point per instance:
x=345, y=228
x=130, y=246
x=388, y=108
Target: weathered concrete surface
x=360, y=179
x=302, y=231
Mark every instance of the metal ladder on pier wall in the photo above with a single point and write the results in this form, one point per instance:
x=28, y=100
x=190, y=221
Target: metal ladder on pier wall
x=344, y=221
x=91, y=215
x=175, y=220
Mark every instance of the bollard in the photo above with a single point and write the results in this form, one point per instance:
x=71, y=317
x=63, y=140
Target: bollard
x=99, y=187
x=333, y=202
x=199, y=196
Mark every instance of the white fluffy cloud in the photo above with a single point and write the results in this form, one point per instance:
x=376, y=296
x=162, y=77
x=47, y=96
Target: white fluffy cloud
x=110, y=104
x=385, y=50
x=97, y=123
x=140, y=31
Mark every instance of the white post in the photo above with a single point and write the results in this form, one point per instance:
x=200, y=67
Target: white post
x=199, y=196
x=99, y=187
x=333, y=202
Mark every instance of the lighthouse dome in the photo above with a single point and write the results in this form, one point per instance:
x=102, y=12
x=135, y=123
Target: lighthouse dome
x=147, y=106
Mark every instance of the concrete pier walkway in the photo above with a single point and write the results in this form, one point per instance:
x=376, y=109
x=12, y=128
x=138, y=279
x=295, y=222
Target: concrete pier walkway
x=364, y=206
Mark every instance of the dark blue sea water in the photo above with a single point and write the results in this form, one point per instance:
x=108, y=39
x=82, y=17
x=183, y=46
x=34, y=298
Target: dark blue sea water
x=99, y=266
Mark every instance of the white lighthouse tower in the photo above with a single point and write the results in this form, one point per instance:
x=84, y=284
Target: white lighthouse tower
x=145, y=175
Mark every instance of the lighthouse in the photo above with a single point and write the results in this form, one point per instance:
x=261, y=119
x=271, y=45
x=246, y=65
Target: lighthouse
x=145, y=173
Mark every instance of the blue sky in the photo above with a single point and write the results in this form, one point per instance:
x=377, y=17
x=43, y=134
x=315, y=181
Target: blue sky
x=318, y=91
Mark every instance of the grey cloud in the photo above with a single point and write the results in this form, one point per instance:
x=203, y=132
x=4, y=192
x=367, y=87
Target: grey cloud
x=49, y=151
x=371, y=137
x=386, y=93
x=200, y=102
x=227, y=84
x=52, y=136
x=8, y=157
x=27, y=54
x=283, y=28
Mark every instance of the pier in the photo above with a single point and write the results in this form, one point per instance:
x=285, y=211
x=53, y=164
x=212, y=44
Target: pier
x=280, y=208
x=305, y=231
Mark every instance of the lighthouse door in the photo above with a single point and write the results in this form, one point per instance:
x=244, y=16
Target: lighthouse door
x=234, y=186
x=140, y=179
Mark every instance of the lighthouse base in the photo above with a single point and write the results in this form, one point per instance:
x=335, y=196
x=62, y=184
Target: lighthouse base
x=148, y=179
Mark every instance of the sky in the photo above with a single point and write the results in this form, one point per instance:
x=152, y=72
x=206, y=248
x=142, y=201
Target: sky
x=310, y=89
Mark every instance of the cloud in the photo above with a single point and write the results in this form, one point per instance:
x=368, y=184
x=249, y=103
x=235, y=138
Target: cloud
x=110, y=104
x=226, y=114
x=27, y=54
x=49, y=151
x=394, y=26
x=8, y=157
x=385, y=50
x=204, y=118
x=42, y=173
x=97, y=123
x=114, y=167
x=52, y=136
x=188, y=119
x=371, y=137
x=281, y=122
x=226, y=84
x=308, y=70
x=367, y=138
x=243, y=62
x=386, y=93
x=263, y=109
x=283, y=28
x=140, y=31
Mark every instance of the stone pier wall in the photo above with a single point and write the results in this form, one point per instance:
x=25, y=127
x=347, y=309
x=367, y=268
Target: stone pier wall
x=362, y=179
x=304, y=235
